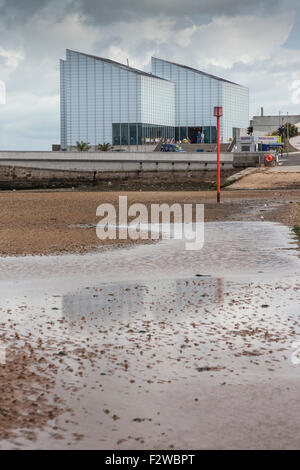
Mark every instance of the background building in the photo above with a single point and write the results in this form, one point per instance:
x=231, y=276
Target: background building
x=265, y=125
x=105, y=101
x=196, y=94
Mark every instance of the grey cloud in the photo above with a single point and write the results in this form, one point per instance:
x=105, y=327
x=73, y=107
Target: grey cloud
x=14, y=12
x=103, y=45
x=104, y=12
x=36, y=125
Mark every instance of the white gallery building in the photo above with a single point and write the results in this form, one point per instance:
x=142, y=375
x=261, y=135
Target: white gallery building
x=106, y=101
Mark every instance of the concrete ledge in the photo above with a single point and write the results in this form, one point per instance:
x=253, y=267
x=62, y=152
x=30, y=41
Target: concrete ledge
x=114, y=156
x=131, y=161
x=108, y=161
x=114, y=166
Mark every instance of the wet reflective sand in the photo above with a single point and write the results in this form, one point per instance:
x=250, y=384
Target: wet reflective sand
x=164, y=347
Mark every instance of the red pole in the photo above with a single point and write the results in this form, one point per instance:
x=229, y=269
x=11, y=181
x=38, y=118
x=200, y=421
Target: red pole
x=218, y=162
x=218, y=112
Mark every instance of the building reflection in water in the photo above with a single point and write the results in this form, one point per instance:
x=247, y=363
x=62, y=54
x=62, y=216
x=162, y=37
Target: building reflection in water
x=157, y=299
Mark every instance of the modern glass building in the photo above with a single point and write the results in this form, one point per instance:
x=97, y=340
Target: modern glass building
x=106, y=101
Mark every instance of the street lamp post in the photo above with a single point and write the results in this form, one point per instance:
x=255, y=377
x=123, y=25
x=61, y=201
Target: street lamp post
x=218, y=112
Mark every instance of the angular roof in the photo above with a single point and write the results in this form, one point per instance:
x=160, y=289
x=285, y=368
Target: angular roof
x=118, y=64
x=197, y=71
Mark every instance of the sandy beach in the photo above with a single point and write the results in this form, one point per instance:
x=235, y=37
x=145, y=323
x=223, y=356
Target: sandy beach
x=149, y=346
x=51, y=222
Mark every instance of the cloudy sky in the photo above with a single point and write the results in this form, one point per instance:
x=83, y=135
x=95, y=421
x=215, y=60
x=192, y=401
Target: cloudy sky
x=254, y=43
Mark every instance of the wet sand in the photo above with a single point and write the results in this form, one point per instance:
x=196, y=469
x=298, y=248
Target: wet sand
x=27, y=382
x=43, y=222
x=150, y=347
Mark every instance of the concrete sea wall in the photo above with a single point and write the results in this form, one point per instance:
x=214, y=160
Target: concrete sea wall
x=110, y=170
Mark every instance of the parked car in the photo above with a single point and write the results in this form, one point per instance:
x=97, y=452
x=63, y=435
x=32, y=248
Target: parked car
x=171, y=148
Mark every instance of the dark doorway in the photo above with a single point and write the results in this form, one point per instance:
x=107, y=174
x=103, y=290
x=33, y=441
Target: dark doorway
x=193, y=132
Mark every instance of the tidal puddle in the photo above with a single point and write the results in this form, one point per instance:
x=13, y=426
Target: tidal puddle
x=231, y=250
x=133, y=324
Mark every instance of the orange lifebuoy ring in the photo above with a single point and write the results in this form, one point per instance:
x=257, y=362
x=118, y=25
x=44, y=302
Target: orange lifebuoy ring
x=269, y=158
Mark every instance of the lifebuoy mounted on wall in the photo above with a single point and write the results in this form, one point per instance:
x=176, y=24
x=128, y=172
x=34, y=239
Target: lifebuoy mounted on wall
x=269, y=158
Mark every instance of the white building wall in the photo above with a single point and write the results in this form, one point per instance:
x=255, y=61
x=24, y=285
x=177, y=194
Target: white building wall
x=196, y=95
x=157, y=101
x=63, y=118
x=235, y=104
x=94, y=94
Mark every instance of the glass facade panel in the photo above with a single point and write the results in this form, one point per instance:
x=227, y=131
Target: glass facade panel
x=207, y=137
x=183, y=133
x=132, y=134
x=213, y=134
x=210, y=134
x=124, y=134
x=140, y=134
x=116, y=134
